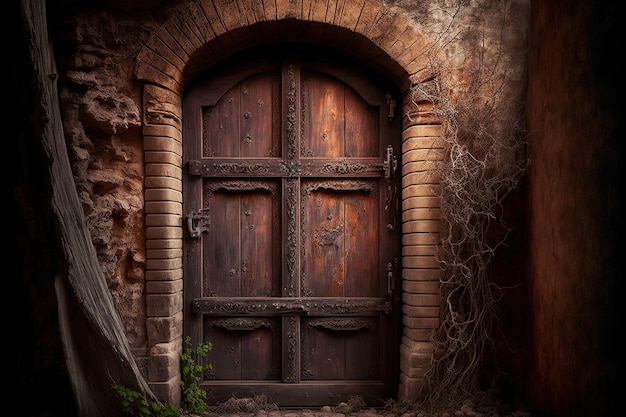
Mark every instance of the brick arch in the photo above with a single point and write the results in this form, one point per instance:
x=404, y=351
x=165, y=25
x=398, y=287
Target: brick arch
x=197, y=35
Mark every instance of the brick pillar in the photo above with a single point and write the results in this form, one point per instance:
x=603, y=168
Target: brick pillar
x=422, y=150
x=162, y=140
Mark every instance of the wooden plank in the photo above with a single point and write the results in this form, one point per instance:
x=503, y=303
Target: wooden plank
x=267, y=306
x=274, y=167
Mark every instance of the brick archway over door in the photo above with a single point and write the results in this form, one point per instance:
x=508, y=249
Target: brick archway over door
x=201, y=33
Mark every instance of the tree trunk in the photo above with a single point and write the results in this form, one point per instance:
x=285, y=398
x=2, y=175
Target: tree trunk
x=97, y=352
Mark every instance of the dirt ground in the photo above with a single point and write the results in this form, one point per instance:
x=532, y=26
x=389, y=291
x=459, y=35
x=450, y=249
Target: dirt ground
x=258, y=407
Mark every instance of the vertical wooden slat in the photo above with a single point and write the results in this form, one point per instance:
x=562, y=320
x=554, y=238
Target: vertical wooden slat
x=361, y=124
x=362, y=246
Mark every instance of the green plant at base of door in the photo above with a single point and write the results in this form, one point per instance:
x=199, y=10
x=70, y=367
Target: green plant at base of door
x=135, y=404
x=192, y=359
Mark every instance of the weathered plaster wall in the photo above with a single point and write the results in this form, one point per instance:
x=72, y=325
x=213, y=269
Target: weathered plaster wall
x=102, y=119
x=574, y=219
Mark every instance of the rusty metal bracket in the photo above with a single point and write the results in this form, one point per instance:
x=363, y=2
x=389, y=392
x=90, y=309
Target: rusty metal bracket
x=198, y=222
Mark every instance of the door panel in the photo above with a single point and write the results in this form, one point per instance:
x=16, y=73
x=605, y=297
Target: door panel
x=246, y=349
x=246, y=120
x=242, y=249
x=341, y=256
x=340, y=349
x=291, y=255
x=337, y=121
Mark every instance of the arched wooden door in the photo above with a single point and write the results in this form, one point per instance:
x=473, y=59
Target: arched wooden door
x=292, y=245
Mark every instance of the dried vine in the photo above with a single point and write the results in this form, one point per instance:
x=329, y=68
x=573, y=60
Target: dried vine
x=485, y=148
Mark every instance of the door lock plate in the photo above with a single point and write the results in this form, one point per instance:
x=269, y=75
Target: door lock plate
x=198, y=222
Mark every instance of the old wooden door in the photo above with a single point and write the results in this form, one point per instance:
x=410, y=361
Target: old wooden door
x=291, y=253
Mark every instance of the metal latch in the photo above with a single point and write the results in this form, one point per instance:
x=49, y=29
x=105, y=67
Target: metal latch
x=387, y=308
x=392, y=107
x=390, y=281
x=198, y=222
x=390, y=165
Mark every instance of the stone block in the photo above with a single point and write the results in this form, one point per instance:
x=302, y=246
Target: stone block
x=164, y=244
x=167, y=253
x=161, y=107
x=417, y=354
x=163, y=194
x=422, y=274
x=420, y=287
x=163, y=182
x=420, y=335
x=418, y=250
x=164, y=220
x=411, y=202
x=420, y=322
x=428, y=213
x=420, y=262
x=411, y=142
x=411, y=386
x=414, y=372
x=420, y=311
x=162, y=157
x=164, y=329
x=164, y=287
x=162, y=143
x=421, y=226
x=155, y=207
x=163, y=264
x=413, y=179
x=164, y=232
x=162, y=130
x=425, y=172
x=164, y=305
x=369, y=15
x=175, y=346
x=420, y=239
x=164, y=366
x=416, y=155
x=164, y=275
x=168, y=392
x=164, y=170
x=432, y=300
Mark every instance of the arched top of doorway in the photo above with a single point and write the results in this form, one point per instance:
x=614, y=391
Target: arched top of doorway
x=351, y=71
x=199, y=34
